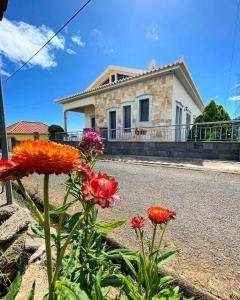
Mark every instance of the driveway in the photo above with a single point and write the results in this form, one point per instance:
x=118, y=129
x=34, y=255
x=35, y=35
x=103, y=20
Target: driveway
x=207, y=228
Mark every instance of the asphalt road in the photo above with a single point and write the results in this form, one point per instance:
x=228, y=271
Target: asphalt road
x=207, y=228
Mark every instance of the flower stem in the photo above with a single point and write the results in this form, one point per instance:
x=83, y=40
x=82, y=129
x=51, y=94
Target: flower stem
x=161, y=238
x=47, y=235
x=142, y=244
x=153, y=238
x=63, y=249
x=60, y=221
x=33, y=207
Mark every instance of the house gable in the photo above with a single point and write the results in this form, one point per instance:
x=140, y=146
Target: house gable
x=113, y=74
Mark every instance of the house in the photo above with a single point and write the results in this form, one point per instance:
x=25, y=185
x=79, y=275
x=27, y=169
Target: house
x=131, y=101
x=25, y=130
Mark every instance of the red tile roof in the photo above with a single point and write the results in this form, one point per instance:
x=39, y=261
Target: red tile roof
x=25, y=127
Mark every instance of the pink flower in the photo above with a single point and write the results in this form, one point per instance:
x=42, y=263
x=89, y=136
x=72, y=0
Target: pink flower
x=101, y=190
x=137, y=222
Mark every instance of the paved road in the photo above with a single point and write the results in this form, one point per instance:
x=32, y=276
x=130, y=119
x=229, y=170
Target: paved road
x=207, y=228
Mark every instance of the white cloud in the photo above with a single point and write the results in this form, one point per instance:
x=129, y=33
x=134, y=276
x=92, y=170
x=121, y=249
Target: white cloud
x=20, y=40
x=97, y=31
x=5, y=73
x=78, y=40
x=153, y=34
x=234, y=98
x=70, y=51
x=237, y=85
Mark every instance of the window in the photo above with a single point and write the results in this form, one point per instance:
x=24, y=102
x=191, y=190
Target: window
x=127, y=118
x=112, y=77
x=93, y=124
x=144, y=110
x=112, y=124
x=121, y=76
x=178, y=123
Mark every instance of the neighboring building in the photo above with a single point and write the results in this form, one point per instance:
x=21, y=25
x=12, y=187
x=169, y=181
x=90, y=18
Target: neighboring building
x=125, y=98
x=25, y=130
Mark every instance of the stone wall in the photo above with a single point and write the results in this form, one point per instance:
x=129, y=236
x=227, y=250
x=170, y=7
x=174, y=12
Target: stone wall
x=201, y=150
x=159, y=89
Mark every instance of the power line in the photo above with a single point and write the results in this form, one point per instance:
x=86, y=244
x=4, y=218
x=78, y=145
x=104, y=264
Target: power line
x=55, y=34
x=233, y=47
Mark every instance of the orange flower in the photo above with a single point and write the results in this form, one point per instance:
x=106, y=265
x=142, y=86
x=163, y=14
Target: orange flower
x=159, y=215
x=9, y=170
x=45, y=157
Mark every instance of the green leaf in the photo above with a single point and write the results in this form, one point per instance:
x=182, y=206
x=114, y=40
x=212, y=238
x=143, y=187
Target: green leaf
x=164, y=281
x=109, y=226
x=61, y=210
x=16, y=284
x=129, y=265
x=37, y=229
x=162, y=259
x=32, y=292
x=70, y=291
x=73, y=220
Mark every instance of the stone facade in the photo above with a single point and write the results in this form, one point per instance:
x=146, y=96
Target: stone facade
x=159, y=89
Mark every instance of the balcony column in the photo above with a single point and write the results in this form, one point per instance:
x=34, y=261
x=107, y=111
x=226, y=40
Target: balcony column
x=65, y=120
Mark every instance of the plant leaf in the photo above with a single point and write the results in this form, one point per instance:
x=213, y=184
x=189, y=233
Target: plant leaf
x=70, y=291
x=73, y=220
x=109, y=226
x=61, y=210
x=16, y=284
x=129, y=265
x=162, y=259
x=32, y=292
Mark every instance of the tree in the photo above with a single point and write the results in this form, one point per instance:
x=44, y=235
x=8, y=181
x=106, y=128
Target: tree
x=213, y=112
x=53, y=129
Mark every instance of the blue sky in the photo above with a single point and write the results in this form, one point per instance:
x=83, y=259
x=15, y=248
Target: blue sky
x=125, y=33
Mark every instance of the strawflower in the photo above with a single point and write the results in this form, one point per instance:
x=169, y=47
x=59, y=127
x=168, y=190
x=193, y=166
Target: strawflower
x=10, y=170
x=159, y=215
x=137, y=222
x=91, y=135
x=45, y=157
x=101, y=190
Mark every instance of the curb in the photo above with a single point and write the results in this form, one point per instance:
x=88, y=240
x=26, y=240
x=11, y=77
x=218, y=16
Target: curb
x=189, y=290
x=167, y=165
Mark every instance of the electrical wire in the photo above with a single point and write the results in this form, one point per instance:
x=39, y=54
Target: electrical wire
x=55, y=34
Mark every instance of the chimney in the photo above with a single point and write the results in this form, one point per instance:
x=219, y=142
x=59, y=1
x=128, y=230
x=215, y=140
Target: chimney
x=152, y=65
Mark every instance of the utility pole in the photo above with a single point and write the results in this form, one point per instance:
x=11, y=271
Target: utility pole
x=4, y=141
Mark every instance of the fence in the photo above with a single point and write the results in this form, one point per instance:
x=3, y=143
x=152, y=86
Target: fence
x=209, y=131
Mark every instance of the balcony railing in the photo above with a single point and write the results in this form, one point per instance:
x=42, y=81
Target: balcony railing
x=211, y=131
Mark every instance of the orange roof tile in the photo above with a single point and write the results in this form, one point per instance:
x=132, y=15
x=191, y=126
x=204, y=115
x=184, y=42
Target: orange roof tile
x=25, y=127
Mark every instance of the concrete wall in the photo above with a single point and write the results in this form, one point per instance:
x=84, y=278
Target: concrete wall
x=201, y=150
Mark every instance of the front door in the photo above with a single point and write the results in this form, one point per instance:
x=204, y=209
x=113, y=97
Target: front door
x=112, y=124
x=178, y=123
x=93, y=125
x=188, y=124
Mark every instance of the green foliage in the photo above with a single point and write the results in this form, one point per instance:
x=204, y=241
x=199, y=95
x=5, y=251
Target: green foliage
x=32, y=292
x=213, y=112
x=16, y=284
x=53, y=129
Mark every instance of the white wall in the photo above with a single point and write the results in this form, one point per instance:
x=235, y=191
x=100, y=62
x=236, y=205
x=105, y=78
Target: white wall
x=182, y=96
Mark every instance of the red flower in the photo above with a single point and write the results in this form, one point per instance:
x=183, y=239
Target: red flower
x=159, y=215
x=101, y=190
x=9, y=170
x=45, y=157
x=137, y=222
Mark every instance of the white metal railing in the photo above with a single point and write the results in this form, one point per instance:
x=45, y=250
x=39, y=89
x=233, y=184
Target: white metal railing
x=209, y=131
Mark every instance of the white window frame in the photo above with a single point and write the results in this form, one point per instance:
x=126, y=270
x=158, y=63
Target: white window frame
x=108, y=120
x=139, y=98
x=127, y=103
